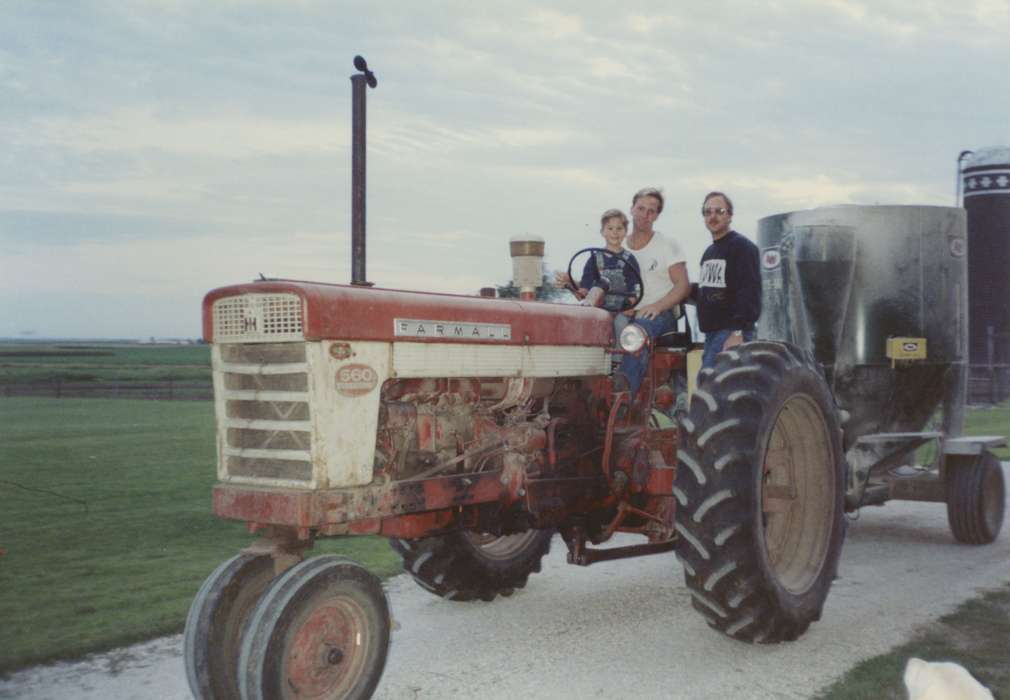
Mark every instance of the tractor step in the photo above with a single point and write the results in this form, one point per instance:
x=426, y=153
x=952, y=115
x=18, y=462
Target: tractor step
x=586, y=555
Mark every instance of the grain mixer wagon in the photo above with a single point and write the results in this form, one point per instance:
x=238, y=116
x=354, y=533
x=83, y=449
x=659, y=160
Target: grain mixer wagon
x=878, y=295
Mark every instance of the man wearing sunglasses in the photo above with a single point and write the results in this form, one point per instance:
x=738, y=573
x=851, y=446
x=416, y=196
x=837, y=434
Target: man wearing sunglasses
x=729, y=288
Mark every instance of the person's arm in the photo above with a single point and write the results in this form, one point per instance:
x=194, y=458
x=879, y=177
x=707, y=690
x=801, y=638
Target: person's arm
x=678, y=293
x=632, y=281
x=747, y=299
x=593, y=298
x=563, y=281
x=745, y=275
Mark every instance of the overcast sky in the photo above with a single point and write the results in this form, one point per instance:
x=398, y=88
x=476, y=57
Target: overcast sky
x=152, y=151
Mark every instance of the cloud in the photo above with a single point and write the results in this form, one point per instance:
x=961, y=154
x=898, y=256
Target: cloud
x=556, y=25
x=162, y=148
x=817, y=190
x=230, y=135
x=971, y=23
x=609, y=68
x=584, y=177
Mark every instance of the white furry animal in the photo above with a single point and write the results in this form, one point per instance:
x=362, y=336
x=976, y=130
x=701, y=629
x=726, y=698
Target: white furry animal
x=942, y=680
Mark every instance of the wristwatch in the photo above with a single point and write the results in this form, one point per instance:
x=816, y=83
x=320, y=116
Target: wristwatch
x=738, y=334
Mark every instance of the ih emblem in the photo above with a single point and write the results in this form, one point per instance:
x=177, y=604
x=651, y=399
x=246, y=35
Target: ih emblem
x=251, y=314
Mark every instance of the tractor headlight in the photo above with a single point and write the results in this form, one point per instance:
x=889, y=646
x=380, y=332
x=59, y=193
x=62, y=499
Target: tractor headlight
x=632, y=338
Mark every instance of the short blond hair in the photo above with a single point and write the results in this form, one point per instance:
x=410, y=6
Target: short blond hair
x=613, y=214
x=649, y=192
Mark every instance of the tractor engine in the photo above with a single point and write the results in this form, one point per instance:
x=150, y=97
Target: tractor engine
x=431, y=426
x=352, y=397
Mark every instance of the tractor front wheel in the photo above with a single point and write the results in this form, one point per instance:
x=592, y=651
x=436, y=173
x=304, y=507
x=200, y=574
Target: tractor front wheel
x=470, y=566
x=760, y=485
x=210, y=645
x=320, y=630
x=975, y=497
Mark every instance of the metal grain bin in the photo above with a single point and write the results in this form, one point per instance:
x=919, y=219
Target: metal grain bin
x=842, y=281
x=986, y=176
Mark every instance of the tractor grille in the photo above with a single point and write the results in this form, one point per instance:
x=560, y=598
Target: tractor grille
x=267, y=426
x=258, y=318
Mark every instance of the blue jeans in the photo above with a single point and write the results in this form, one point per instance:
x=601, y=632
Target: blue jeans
x=634, y=366
x=620, y=322
x=714, y=342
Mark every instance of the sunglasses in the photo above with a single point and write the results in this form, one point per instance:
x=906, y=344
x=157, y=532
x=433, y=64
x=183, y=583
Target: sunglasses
x=720, y=211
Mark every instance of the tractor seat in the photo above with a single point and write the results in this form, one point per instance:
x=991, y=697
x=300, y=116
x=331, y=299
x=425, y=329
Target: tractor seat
x=677, y=338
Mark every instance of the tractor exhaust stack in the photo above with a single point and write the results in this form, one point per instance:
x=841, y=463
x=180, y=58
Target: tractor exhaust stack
x=358, y=83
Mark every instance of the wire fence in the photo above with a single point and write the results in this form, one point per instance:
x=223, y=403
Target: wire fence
x=989, y=382
x=167, y=390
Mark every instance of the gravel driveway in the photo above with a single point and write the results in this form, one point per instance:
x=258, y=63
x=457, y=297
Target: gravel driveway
x=616, y=629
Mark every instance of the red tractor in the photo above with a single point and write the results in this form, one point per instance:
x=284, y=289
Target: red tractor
x=468, y=431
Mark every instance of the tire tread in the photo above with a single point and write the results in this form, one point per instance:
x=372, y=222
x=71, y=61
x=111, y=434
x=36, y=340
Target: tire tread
x=715, y=511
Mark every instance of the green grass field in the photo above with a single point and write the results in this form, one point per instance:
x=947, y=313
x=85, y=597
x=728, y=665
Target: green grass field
x=105, y=514
x=975, y=636
x=105, y=506
x=77, y=362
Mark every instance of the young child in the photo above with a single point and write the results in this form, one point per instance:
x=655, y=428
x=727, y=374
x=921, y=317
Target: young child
x=608, y=279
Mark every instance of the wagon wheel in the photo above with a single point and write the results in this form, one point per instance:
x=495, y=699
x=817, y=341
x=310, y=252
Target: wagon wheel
x=211, y=642
x=975, y=497
x=320, y=631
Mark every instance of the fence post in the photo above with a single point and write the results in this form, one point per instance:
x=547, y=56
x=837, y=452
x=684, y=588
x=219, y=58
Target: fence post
x=989, y=352
x=1000, y=365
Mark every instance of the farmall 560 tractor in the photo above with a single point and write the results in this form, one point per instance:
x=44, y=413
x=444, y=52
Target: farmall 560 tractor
x=470, y=430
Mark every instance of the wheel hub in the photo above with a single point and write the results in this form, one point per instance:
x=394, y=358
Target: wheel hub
x=327, y=653
x=796, y=494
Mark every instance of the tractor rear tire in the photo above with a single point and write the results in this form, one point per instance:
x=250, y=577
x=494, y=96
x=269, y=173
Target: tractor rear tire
x=224, y=602
x=975, y=498
x=466, y=566
x=760, y=487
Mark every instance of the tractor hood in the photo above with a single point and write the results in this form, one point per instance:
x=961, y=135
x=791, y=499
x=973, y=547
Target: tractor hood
x=292, y=310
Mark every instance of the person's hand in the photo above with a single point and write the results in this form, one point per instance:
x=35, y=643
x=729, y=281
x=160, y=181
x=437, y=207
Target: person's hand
x=562, y=280
x=649, y=311
x=732, y=341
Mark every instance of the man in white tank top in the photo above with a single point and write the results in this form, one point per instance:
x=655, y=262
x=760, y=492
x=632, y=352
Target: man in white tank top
x=664, y=274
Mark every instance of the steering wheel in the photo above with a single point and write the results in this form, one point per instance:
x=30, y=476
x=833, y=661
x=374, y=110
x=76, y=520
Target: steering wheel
x=628, y=296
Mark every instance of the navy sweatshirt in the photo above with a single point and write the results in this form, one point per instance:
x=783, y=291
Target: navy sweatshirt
x=729, y=289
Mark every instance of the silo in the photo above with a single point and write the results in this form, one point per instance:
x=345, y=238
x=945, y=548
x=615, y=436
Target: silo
x=986, y=188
